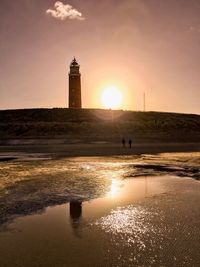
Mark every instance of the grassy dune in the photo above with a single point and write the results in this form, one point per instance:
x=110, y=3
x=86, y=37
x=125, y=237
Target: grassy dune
x=98, y=125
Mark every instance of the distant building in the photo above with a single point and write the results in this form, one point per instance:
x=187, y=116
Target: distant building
x=74, y=85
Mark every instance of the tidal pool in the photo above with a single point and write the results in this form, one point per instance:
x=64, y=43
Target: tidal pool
x=100, y=212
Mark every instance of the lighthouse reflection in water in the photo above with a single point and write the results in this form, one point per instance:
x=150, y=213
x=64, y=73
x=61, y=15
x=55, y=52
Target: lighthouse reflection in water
x=75, y=210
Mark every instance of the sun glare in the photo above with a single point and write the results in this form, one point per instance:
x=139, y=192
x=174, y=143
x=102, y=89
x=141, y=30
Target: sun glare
x=111, y=97
x=114, y=190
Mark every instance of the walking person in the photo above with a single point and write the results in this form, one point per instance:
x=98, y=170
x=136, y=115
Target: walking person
x=130, y=143
x=123, y=142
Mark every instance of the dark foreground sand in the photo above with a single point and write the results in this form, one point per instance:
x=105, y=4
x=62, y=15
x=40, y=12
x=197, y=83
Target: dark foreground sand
x=141, y=222
x=136, y=211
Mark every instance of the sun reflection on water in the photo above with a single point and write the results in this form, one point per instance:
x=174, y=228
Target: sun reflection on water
x=129, y=223
x=114, y=189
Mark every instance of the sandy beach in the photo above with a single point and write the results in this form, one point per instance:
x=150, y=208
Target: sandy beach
x=100, y=133
x=128, y=210
x=61, y=149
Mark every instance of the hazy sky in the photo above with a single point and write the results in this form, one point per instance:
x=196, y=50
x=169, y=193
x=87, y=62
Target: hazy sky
x=137, y=45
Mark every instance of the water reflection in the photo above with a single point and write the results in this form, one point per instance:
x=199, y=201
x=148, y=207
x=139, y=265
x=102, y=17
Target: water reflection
x=75, y=208
x=114, y=189
x=75, y=211
x=131, y=223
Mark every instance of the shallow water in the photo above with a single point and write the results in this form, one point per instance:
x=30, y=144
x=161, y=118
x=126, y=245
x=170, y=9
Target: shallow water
x=105, y=217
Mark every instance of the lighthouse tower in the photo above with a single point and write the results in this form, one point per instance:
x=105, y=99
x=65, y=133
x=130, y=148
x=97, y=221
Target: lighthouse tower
x=74, y=85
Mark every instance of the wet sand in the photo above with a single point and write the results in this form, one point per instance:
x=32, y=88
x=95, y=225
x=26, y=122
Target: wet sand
x=97, y=149
x=100, y=211
x=146, y=221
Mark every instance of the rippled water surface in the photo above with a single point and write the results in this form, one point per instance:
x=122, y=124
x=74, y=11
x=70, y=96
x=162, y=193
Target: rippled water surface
x=103, y=211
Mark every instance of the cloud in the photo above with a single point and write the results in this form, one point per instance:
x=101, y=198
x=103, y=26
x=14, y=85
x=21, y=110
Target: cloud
x=63, y=12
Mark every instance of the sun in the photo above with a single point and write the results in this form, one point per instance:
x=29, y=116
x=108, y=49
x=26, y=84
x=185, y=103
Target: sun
x=111, y=97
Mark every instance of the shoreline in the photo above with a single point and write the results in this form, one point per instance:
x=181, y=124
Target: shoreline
x=97, y=149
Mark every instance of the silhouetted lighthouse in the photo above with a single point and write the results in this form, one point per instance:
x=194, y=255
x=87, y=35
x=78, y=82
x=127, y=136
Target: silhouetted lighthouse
x=74, y=85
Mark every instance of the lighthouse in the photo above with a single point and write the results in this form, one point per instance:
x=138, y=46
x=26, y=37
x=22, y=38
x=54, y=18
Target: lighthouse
x=74, y=85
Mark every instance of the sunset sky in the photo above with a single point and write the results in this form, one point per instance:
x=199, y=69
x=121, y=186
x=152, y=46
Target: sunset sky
x=134, y=45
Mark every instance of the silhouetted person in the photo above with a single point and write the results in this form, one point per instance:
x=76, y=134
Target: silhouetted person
x=123, y=142
x=130, y=143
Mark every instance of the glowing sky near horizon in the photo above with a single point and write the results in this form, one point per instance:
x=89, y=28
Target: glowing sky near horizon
x=135, y=45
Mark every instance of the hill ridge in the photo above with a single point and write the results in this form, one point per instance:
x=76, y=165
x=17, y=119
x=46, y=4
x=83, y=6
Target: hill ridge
x=99, y=124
